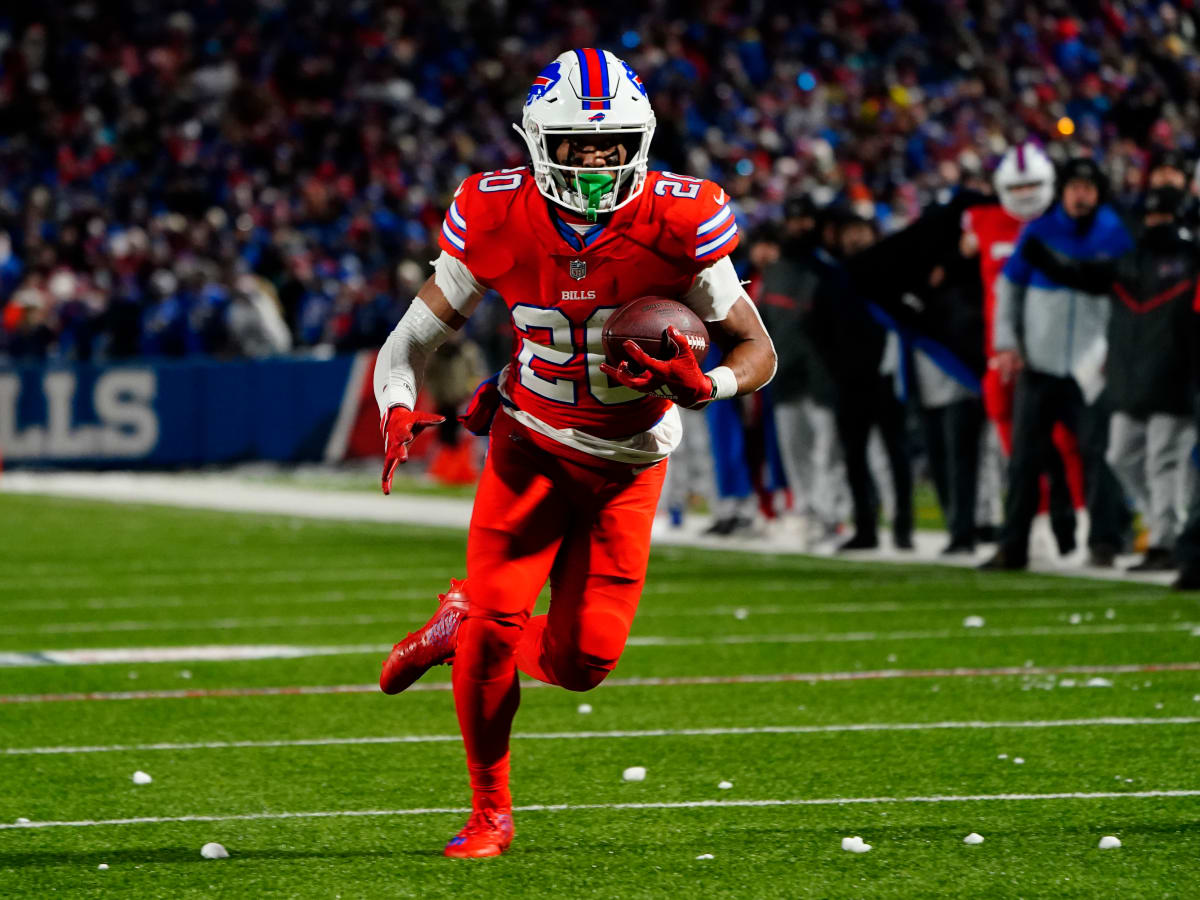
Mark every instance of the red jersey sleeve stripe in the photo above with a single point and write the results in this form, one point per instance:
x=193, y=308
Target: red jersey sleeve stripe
x=715, y=222
x=454, y=240
x=707, y=249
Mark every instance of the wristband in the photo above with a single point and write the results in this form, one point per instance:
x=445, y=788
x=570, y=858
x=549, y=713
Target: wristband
x=725, y=384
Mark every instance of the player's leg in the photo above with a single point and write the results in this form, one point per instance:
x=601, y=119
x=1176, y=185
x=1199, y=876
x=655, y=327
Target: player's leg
x=998, y=403
x=854, y=417
x=1059, y=501
x=1127, y=457
x=1069, y=446
x=831, y=492
x=1168, y=441
x=595, y=585
x=1033, y=418
x=516, y=530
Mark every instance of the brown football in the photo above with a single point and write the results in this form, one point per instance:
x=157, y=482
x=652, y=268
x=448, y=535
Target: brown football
x=644, y=321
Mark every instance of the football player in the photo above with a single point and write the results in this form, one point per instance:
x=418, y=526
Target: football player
x=578, y=448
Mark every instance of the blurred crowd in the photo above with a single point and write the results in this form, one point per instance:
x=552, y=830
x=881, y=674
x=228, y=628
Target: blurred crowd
x=246, y=177
x=256, y=177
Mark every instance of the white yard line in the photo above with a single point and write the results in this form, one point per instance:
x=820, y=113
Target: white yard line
x=942, y=634
x=208, y=653
x=289, y=575
x=425, y=596
x=231, y=623
x=684, y=804
x=173, y=601
x=679, y=681
x=855, y=727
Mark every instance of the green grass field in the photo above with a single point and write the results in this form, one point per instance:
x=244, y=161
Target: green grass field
x=854, y=649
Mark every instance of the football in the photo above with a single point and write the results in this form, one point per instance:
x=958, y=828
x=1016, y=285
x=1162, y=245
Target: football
x=645, y=321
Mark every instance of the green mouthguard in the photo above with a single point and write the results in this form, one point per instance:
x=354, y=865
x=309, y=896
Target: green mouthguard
x=594, y=185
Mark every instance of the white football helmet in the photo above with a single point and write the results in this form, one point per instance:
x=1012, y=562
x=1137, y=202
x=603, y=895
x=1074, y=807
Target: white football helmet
x=1024, y=181
x=584, y=92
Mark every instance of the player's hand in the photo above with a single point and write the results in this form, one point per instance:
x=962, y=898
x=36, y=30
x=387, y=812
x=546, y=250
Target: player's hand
x=482, y=409
x=399, y=428
x=679, y=377
x=1007, y=364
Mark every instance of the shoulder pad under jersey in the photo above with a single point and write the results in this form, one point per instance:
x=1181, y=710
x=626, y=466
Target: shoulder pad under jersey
x=698, y=213
x=480, y=204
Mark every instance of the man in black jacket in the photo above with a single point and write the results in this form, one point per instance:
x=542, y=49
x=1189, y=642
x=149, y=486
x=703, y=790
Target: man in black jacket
x=920, y=278
x=852, y=343
x=1148, y=365
x=803, y=389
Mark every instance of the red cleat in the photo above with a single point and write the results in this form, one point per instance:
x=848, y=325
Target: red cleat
x=487, y=833
x=431, y=645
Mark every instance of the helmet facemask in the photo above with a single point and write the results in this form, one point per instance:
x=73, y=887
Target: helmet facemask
x=589, y=191
x=592, y=190
x=1027, y=200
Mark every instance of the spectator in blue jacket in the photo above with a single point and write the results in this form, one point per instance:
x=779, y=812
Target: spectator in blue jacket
x=1051, y=337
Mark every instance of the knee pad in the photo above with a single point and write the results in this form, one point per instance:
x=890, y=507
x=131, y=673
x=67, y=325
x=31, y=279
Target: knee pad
x=582, y=663
x=487, y=639
x=582, y=673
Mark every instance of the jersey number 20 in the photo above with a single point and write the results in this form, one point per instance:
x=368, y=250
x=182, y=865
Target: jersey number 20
x=560, y=349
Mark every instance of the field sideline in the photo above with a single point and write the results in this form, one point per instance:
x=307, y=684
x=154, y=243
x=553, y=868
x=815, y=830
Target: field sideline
x=231, y=656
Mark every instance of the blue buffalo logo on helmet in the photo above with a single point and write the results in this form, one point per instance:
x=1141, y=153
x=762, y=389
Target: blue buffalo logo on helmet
x=633, y=76
x=545, y=80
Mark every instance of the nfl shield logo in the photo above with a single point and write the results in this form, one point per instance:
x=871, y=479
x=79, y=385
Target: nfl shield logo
x=578, y=269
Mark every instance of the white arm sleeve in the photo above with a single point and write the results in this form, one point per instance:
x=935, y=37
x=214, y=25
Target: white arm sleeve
x=457, y=283
x=400, y=365
x=715, y=290
x=711, y=296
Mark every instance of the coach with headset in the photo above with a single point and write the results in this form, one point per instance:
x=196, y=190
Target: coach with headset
x=1052, y=337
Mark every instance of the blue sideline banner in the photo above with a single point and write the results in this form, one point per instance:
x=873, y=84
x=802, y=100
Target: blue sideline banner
x=178, y=413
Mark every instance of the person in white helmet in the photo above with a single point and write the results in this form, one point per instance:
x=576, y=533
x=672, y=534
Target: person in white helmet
x=578, y=448
x=1025, y=184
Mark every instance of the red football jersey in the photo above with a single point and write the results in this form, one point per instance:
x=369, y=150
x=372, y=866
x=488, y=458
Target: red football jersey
x=996, y=230
x=560, y=287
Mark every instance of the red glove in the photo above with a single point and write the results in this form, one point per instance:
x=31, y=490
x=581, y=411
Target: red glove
x=482, y=409
x=399, y=428
x=679, y=377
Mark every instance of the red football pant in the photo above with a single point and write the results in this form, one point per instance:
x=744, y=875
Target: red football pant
x=998, y=405
x=539, y=515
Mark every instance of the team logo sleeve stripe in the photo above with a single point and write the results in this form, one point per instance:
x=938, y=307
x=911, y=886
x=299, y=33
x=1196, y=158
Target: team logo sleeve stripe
x=718, y=242
x=456, y=217
x=715, y=222
x=454, y=239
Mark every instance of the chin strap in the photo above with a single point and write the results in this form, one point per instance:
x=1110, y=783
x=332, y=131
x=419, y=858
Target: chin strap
x=593, y=186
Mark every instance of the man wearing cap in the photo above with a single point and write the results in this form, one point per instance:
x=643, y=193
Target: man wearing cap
x=1052, y=337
